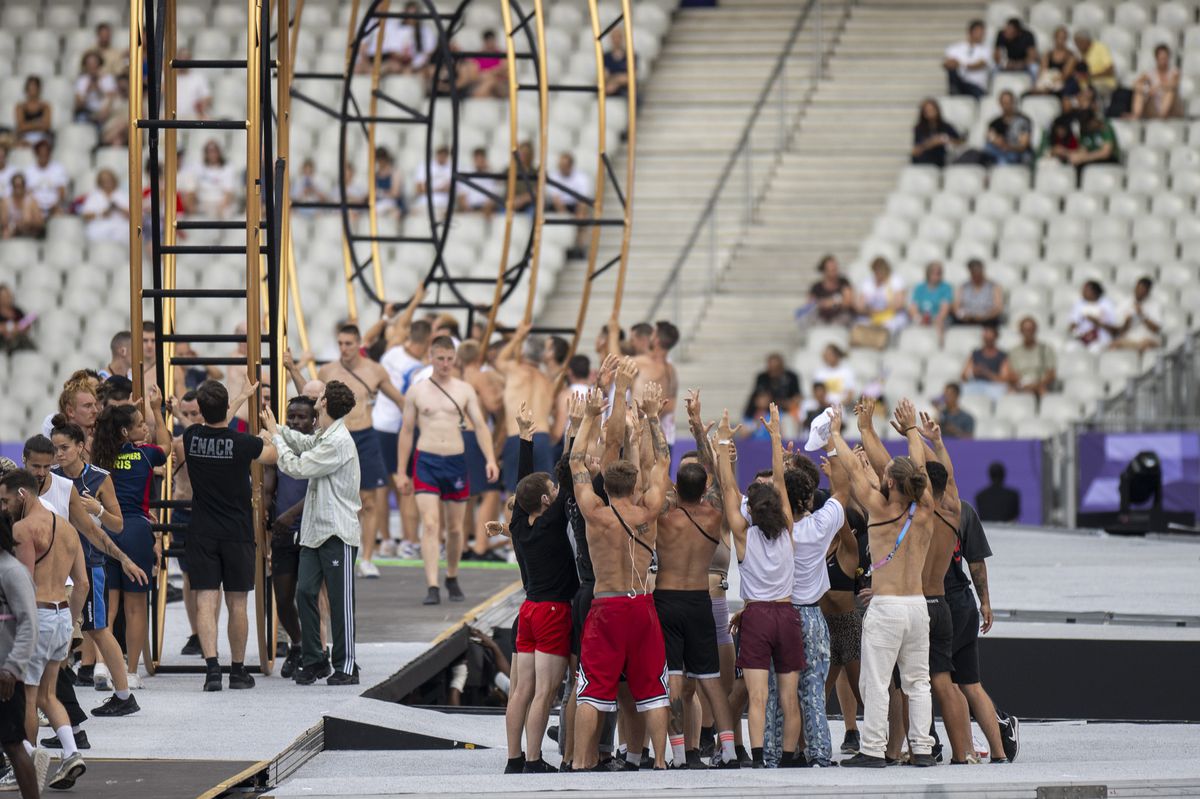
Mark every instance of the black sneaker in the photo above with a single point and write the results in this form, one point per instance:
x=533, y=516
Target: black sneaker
x=998, y=760
x=743, y=756
x=937, y=752
x=342, y=678
x=708, y=747
x=453, y=591
x=565, y=767
x=114, y=707
x=1010, y=735
x=212, y=680
x=290, y=663
x=718, y=763
x=307, y=675
x=552, y=732
x=864, y=761
x=647, y=759
x=85, y=676
x=851, y=743
x=515, y=765
x=240, y=680
x=432, y=596
x=192, y=647
x=922, y=761
x=81, y=739
x=693, y=759
x=538, y=767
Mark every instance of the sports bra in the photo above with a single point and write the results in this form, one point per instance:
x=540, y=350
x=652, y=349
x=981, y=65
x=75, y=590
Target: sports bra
x=53, y=535
x=838, y=579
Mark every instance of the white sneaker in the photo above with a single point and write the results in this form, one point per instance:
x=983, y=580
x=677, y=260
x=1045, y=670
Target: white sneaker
x=135, y=682
x=387, y=549
x=8, y=781
x=409, y=550
x=369, y=570
x=101, y=678
x=41, y=765
x=42, y=720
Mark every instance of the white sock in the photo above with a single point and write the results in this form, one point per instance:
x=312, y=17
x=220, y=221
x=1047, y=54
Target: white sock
x=75, y=728
x=633, y=757
x=677, y=749
x=728, y=754
x=67, y=739
x=122, y=695
x=28, y=748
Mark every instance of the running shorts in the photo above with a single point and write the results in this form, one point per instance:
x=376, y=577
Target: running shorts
x=941, y=635
x=964, y=616
x=95, y=608
x=137, y=541
x=622, y=636
x=477, y=481
x=845, y=638
x=544, y=627
x=690, y=641
x=444, y=475
x=221, y=564
x=389, y=450
x=771, y=632
x=372, y=473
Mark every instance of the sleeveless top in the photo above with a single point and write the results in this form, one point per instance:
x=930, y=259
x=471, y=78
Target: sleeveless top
x=767, y=571
x=977, y=301
x=87, y=483
x=57, y=498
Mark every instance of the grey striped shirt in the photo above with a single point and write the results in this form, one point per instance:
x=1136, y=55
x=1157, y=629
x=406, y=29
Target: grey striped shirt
x=329, y=461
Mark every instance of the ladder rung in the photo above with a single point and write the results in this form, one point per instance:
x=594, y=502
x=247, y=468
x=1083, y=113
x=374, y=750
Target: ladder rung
x=485, y=54
x=206, y=249
x=218, y=294
x=209, y=63
x=395, y=239
x=490, y=281
x=213, y=224
x=330, y=204
x=410, y=15
x=559, y=87
x=553, y=331
x=192, y=124
x=587, y=222
x=212, y=338
x=318, y=76
x=217, y=360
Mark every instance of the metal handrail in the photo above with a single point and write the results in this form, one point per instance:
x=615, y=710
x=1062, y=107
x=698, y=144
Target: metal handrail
x=743, y=142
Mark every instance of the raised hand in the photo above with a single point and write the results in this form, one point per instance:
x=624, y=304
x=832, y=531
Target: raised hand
x=692, y=404
x=576, y=406
x=826, y=469
x=772, y=422
x=652, y=400
x=607, y=370
x=626, y=372
x=864, y=411
x=835, y=419
x=268, y=421
x=930, y=428
x=906, y=415
x=289, y=363
x=725, y=433
x=595, y=403
x=494, y=529
x=153, y=396
x=525, y=422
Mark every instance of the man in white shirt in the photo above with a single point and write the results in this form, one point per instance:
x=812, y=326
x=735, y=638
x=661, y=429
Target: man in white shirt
x=969, y=63
x=435, y=178
x=565, y=186
x=193, y=95
x=1140, y=318
x=47, y=181
x=477, y=197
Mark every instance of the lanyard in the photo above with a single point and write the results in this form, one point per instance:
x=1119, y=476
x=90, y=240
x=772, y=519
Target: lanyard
x=912, y=509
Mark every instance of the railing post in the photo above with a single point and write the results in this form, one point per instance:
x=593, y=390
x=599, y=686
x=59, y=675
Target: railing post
x=712, y=250
x=747, y=200
x=782, y=126
x=818, y=55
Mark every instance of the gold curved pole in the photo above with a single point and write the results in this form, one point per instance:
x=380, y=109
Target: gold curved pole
x=539, y=209
x=630, y=152
x=347, y=263
x=137, y=57
x=372, y=191
x=285, y=58
x=288, y=262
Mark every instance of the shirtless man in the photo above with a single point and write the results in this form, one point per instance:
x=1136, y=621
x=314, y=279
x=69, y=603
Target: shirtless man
x=489, y=387
x=653, y=367
x=896, y=626
x=621, y=633
x=525, y=383
x=440, y=407
x=366, y=379
x=579, y=368
x=57, y=555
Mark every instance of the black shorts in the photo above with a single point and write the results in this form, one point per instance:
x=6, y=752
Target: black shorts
x=964, y=648
x=285, y=559
x=183, y=517
x=688, y=633
x=941, y=635
x=218, y=563
x=12, y=717
x=580, y=605
x=372, y=473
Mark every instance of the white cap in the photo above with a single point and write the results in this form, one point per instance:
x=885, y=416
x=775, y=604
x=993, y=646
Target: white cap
x=818, y=431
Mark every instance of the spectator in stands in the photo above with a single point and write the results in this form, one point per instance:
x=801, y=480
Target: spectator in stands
x=20, y=216
x=1097, y=139
x=47, y=181
x=33, y=114
x=968, y=63
x=434, y=178
x=6, y=171
x=882, y=298
x=1010, y=135
x=407, y=44
x=356, y=190
x=113, y=61
x=616, y=64
x=487, y=75
x=1016, y=49
x=115, y=130
x=1060, y=143
x=480, y=193
x=1093, y=318
x=815, y=405
x=15, y=324
x=1033, y=364
x=1140, y=320
x=210, y=188
x=389, y=185
x=955, y=421
x=781, y=384
x=831, y=295
x=1156, y=93
x=562, y=201
x=1096, y=63
x=193, y=94
x=308, y=187
x=979, y=301
x=997, y=502
x=106, y=210
x=526, y=174
x=94, y=91
x=932, y=300
x=1058, y=64
x=932, y=135
x=986, y=371
x=838, y=377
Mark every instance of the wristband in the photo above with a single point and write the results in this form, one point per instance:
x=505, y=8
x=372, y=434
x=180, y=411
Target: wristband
x=910, y=427
x=725, y=441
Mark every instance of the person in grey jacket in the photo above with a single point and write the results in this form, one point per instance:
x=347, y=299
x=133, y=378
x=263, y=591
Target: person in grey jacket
x=18, y=635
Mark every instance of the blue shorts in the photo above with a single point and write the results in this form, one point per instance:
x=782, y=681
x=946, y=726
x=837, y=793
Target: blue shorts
x=95, y=607
x=443, y=475
x=543, y=459
x=477, y=466
x=137, y=541
x=389, y=446
x=372, y=472
x=181, y=516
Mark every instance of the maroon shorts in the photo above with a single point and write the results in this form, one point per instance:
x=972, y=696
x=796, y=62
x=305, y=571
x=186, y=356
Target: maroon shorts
x=544, y=627
x=622, y=635
x=771, y=633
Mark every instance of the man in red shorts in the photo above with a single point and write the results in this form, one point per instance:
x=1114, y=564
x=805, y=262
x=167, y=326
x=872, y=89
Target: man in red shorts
x=621, y=633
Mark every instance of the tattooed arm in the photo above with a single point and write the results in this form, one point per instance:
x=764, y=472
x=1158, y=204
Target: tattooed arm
x=979, y=578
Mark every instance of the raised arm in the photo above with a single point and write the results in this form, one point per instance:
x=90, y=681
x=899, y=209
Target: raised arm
x=731, y=495
x=614, y=433
x=777, y=465
x=906, y=417
x=656, y=496
x=525, y=433
x=859, y=484
x=152, y=408
x=320, y=460
x=931, y=430
x=700, y=431
x=293, y=370
x=581, y=478
x=864, y=413
x=510, y=353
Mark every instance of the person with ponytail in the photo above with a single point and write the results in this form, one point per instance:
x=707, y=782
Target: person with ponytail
x=119, y=447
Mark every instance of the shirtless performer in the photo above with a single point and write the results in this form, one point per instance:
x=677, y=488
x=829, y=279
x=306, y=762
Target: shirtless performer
x=57, y=555
x=653, y=367
x=525, y=383
x=489, y=387
x=439, y=407
x=366, y=379
x=896, y=626
x=621, y=633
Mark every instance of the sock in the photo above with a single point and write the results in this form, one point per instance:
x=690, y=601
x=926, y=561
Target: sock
x=634, y=758
x=237, y=666
x=212, y=664
x=677, y=752
x=123, y=695
x=75, y=728
x=740, y=751
x=786, y=758
x=756, y=754
x=67, y=739
x=728, y=755
x=692, y=755
x=28, y=748
x=707, y=734
x=519, y=760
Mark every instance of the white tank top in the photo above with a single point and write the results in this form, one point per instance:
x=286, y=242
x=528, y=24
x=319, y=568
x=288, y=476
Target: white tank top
x=58, y=498
x=768, y=571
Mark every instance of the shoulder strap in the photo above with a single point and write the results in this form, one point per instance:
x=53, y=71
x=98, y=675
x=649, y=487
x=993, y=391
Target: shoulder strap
x=630, y=532
x=462, y=420
x=371, y=391
x=912, y=510
x=53, y=535
x=698, y=527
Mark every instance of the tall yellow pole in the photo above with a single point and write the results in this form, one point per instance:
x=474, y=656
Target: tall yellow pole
x=630, y=152
x=539, y=208
x=137, y=46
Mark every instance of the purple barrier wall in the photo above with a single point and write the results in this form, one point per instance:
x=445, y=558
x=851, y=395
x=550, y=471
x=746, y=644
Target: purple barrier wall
x=1022, y=458
x=1103, y=456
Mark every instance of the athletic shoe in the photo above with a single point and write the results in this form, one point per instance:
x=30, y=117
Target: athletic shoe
x=432, y=597
x=342, y=678
x=212, y=680
x=101, y=679
x=409, y=550
x=68, y=772
x=42, y=720
x=718, y=763
x=453, y=591
x=387, y=549
x=290, y=663
x=370, y=570
x=8, y=780
x=743, y=756
x=307, y=675
x=85, y=677
x=998, y=760
x=41, y=766
x=864, y=761
x=922, y=761
x=113, y=706
x=937, y=752
x=851, y=743
x=81, y=739
x=565, y=767
x=240, y=680
x=538, y=767
x=192, y=647
x=552, y=732
x=135, y=682
x=693, y=760
x=1010, y=734
x=515, y=765
x=492, y=556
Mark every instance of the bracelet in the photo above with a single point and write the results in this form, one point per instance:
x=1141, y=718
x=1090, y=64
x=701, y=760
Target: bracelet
x=910, y=427
x=724, y=441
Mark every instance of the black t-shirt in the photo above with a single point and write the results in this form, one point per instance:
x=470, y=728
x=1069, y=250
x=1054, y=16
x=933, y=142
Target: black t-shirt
x=972, y=546
x=781, y=388
x=218, y=461
x=998, y=504
x=934, y=155
x=1016, y=49
x=543, y=548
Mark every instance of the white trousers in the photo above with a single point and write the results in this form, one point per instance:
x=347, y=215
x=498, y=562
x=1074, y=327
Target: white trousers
x=895, y=630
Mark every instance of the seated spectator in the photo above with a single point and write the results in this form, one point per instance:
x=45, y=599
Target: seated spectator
x=106, y=210
x=115, y=130
x=407, y=44
x=1060, y=142
x=997, y=502
x=987, y=372
x=832, y=296
x=487, y=76
x=193, y=94
x=932, y=300
x=1093, y=318
x=932, y=135
x=1095, y=66
x=481, y=194
x=526, y=175
x=968, y=63
x=1033, y=364
x=20, y=216
x=434, y=180
x=47, y=181
x=779, y=382
x=1097, y=139
x=308, y=187
x=616, y=64
x=15, y=324
x=1016, y=49
x=389, y=185
x=955, y=421
x=815, y=405
x=1058, y=64
x=113, y=60
x=979, y=301
x=1010, y=135
x=1140, y=320
x=758, y=408
x=837, y=376
x=567, y=177
x=33, y=114
x=94, y=91
x=6, y=171
x=210, y=188
x=356, y=190
x=1156, y=93
x=882, y=298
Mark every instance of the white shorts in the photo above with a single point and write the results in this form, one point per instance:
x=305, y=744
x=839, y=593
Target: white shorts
x=53, y=642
